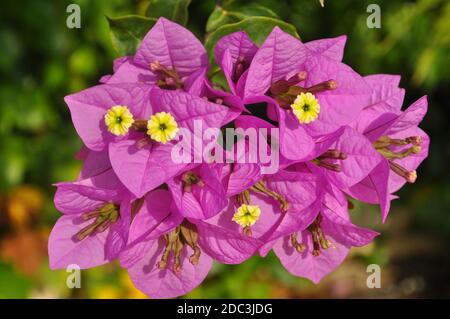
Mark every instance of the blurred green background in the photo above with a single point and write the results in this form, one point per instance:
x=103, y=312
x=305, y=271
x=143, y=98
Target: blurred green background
x=41, y=61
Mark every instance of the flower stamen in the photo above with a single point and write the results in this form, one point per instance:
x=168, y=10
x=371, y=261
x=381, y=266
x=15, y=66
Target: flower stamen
x=385, y=141
x=169, y=80
x=104, y=216
x=140, y=125
x=382, y=146
x=185, y=234
x=243, y=198
x=282, y=86
x=318, y=237
x=262, y=188
x=299, y=247
x=189, y=179
x=387, y=153
x=241, y=66
x=177, y=246
x=324, y=86
x=190, y=237
x=409, y=176
x=162, y=264
x=331, y=154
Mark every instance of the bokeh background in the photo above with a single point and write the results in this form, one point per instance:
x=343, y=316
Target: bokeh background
x=41, y=61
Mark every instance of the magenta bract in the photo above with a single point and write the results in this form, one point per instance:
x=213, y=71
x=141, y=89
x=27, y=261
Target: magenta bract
x=337, y=136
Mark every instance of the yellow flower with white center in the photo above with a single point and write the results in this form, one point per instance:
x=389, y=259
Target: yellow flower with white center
x=162, y=127
x=306, y=108
x=247, y=215
x=118, y=120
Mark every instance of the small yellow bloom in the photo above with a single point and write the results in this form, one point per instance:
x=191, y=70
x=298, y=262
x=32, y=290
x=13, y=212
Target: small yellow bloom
x=306, y=108
x=247, y=215
x=162, y=127
x=118, y=120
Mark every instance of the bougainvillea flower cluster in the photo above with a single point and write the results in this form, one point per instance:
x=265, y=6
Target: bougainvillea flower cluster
x=341, y=136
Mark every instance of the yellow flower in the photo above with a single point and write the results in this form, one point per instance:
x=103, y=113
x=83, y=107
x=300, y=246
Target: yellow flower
x=118, y=120
x=162, y=127
x=247, y=215
x=306, y=108
x=107, y=292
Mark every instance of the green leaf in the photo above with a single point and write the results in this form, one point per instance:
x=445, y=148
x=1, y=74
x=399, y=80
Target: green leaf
x=226, y=15
x=13, y=162
x=13, y=284
x=258, y=28
x=128, y=31
x=175, y=10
